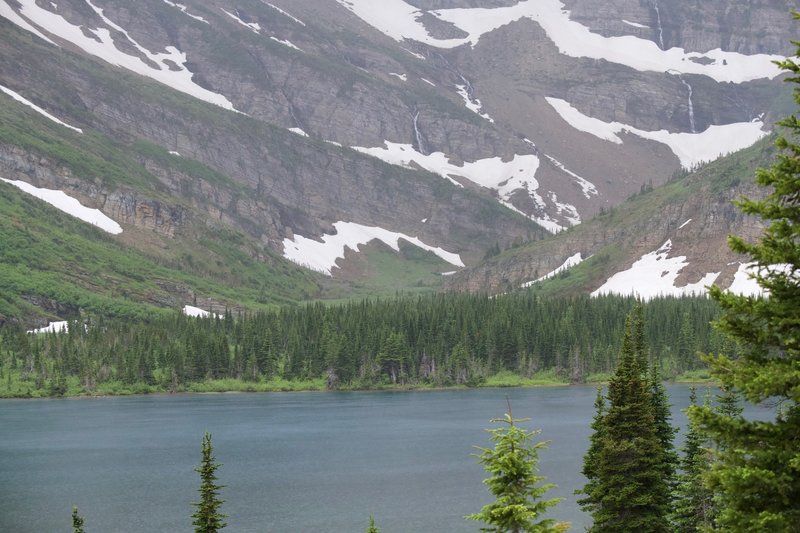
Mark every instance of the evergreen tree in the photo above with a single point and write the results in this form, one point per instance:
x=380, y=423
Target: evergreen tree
x=757, y=471
x=207, y=518
x=512, y=465
x=629, y=492
x=589, y=503
x=77, y=521
x=372, y=528
x=693, y=504
x=664, y=429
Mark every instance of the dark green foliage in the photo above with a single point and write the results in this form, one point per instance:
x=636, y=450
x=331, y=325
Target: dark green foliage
x=207, y=518
x=432, y=340
x=77, y=521
x=756, y=475
x=627, y=463
x=512, y=466
x=590, y=502
x=693, y=501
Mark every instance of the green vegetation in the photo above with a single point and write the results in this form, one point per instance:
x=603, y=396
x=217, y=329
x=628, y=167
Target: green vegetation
x=404, y=342
x=207, y=518
x=630, y=462
x=512, y=466
x=756, y=473
x=77, y=521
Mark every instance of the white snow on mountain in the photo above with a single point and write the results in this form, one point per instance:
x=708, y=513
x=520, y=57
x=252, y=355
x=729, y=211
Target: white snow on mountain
x=170, y=67
x=284, y=13
x=635, y=24
x=505, y=177
x=53, y=327
x=254, y=26
x=190, y=310
x=473, y=104
x=183, y=9
x=743, y=282
x=286, y=42
x=8, y=13
x=569, y=263
x=400, y=20
x=654, y=275
x=322, y=256
x=19, y=98
x=69, y=205
x=402, y=77
x=299, y=131
x=691, y=148
x=587, y=187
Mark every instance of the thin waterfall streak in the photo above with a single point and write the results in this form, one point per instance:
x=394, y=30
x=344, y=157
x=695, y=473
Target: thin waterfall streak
x=658, y=25
x=691, y=106
x=418, y=135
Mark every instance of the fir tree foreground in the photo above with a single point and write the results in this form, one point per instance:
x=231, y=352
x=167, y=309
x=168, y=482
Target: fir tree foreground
x=207, y=518
x=757, y=470
x=512, y=465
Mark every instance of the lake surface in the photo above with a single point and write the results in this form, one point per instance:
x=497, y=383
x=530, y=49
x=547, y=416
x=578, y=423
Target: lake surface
x=292, y=462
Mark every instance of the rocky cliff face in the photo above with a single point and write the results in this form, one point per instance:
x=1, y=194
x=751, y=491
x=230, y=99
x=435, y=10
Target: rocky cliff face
x=270, y=96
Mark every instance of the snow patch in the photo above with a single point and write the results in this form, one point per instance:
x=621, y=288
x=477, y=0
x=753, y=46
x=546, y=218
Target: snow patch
x=69, y=205
x=52, y=327
x=654, y=275
x=415, y=54
x=8, y=13
x=286, y=42
x=505, y=177
x=691, y=148
x=402, y=77
x=322, y=256
x=743, y=282
x=684, y=224
x=473, y=104
x=429, y=82
x=19, y=98
x=183, y=9
x=105, y=49
x=569, y=263
x=253, y=26
x=299, y=132
x=635, y=24
x=284, y=13
x=399, y=20
x=586, y=186
x=190, y=310
x=173, y=152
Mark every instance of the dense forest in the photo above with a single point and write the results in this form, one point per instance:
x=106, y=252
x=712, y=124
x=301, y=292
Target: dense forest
x=437, y=340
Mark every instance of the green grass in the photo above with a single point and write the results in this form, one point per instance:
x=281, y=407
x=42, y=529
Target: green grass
x=507, y=378
x=702, y=375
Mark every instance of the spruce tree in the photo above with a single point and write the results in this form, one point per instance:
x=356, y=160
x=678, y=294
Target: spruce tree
x=589, y=503
x=629, y=492
x=693, y=501
x=372, y=528
x=757, y=471
x=77, y=521
x=512, y=465
x=207, y=518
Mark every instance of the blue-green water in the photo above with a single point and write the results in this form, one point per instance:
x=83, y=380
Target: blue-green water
x=292, y=462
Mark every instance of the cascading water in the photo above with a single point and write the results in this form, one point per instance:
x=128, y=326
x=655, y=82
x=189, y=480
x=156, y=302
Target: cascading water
x=418, y=135
x=691, y=106
x=658, y=25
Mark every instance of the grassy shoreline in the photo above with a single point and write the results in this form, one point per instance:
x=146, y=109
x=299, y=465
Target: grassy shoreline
x=23, y=389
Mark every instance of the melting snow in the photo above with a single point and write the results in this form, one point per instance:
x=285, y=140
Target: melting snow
x=473, y=104
x=180, y=80
x=299, y=132
x=399, y=20
x=183, y=8
x=235, y=16
x=635, y=24
x=190, y=310
x=401, y=76
x=173, y=152
x=16, y=96
x=429, y=82
x=569, y=263
x=586, y=186
x=654, y=275
x=684, y=224
x=7, y=12
x=322, y=256
x=69, y=205
x=284, y=13
x=415, y=54
x=691, y=148
x=506, y=177
x=286, y=42
x=743, y=283
x=52, y=327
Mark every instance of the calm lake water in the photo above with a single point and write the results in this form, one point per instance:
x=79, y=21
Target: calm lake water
x=292, y=462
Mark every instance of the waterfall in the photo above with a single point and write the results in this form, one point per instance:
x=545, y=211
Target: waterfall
x=658, y=25
x=691, y=106
x=418, y=135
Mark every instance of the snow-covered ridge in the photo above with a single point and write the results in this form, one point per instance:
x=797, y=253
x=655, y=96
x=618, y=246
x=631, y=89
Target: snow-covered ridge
x=400, y=20
x=19, y=98
x=322, y=256
x=69, y=205
x=105, y=49
x=691, y=148
x=654, y=275
x=505, y=177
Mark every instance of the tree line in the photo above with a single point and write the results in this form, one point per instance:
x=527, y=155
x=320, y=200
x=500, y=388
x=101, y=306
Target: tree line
x=441, y=340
